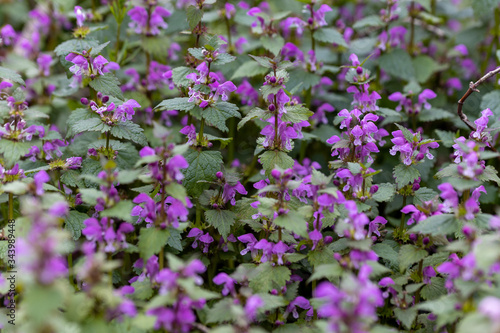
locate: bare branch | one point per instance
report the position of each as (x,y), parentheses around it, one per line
(473,88)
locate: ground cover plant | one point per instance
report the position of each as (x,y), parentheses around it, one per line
(249,166)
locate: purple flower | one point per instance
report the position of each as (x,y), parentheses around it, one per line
(40,178)
(428,273)
(44,61)
(302,303)
(253,303)
(73,163)
(480,133)
(190,132)
(126,110)
(250,240)
(490,307)
(80,16)
(7,34)
(227,281)
(248,95)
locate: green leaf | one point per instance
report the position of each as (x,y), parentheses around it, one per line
(157,46)
(197,53)
(151,241)
(248,69)
(448,171)
(16,187)
(437,225)
(296,114)
(142,290)
(409,136)
(179,77)
(408,255)
(327,271)
(12,151)
(263,61)
(74,223)
(223,58)
(489,174)
(267,277)
(384,193)
(397,63)
(222,220)
(224,310)
(9,74)
(305,79)
(107,84)
(121,211)
(368,21)
(253,114)
(97,49)
(405,174)
(385,251)
(424,67)
(434,114)
(273,44)
(130,131)
(203,165)
(94,124)
(483,8)
(434,290)
(323,256)
(271,158)
(90,195)
(217,114)
(330,35)
(406,316)
(293,222)
(424,194)
(178,103)
(194,15)
(72,178)
(447,138)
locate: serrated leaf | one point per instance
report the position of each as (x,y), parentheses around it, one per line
(178,103)
(384,193)
(223,58)
(129,130)
(397,63)
(97,49)
(179,77)
(405,174)
(263,61)
(142,290)
(224,310)
(489,174)
(447,138)
(424,67)
(327,271)
(72,178)
(271,158)
(368,21)
(424,194)
(222,220)
(437,225)
(217,114)
(267,277)
(107,84)
(406,316)
(74,223)
(330,35)
(203,165)
(12,151)
(9,74)
(197,53)
(408,255)
(296,114)
(93,124)
(386,251)
(121,211)
(90,195)
(491,100)
(273,44)
(253,114)
(292,222)
(194,15)
(151,241)
(249,69)
(323,256)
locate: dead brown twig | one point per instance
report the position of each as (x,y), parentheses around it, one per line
(473,88)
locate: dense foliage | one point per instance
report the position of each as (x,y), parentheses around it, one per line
(253,166)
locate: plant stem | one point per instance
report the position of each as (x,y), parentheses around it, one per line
(117,45)
(412,28)
(107,140)
(403,215)
(200,135)
(161,257)
(232,133)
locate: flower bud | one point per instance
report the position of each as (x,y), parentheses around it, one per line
(426,240)
(420,156)
(310,21)
(99,95)
(272,79)
(413,237)
(219,174)
(271,107)
(276,174)
(359,70)
(415,187)
(328,239)
(84,101)
(105,99)
(373,189)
